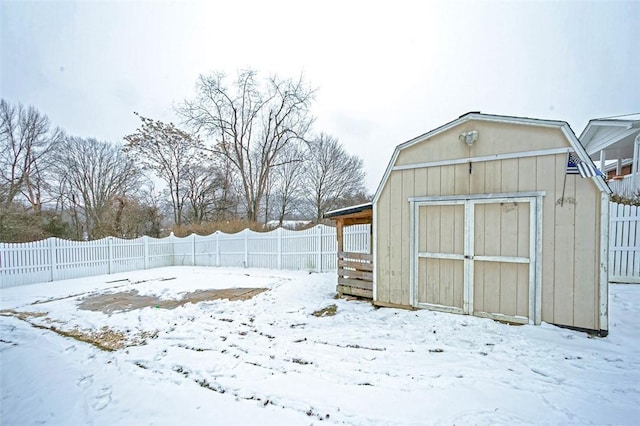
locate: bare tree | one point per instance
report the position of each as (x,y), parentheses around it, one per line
(133,216)
(92,176)
(26,139)
(289,181)
(207,193)
(252,124)
(331,175)
(166,151)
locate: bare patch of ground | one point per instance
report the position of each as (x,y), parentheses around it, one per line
(21,315)
(105,339)
(131,300)
(327,311)
(108,339)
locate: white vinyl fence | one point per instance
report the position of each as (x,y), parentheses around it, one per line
(314,249)
(624,244)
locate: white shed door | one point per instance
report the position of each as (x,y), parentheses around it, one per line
(476,257)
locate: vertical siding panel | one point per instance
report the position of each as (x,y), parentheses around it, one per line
(395,236)
(383,221)
(527,174)
(406,243)
(461,179)
(433,181)
(447,237)
(493,177)
(433,225)
(479,249)
(508,288)
(492,231)
(564,245)
(510,175)
(458,273)
(447,180)
(420,184)
(587,246)
(477,178)
(508,247)
(546,180)
(420,189)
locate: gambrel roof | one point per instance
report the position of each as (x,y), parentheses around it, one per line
(477,116)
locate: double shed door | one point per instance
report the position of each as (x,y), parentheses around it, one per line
(477,257)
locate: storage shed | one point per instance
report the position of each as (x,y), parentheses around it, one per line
(490,216)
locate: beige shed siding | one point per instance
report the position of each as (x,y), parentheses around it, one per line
(587,245)
(443,144)
(494,138)
(383,244)
(570,270)
(547,178)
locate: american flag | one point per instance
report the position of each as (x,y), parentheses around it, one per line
(575,166)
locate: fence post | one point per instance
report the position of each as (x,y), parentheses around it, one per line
(193,249)
(110,254)
(172,242)
(54,260)
(246,247)
(279,244)
(145,244)
(319,254)
(217,248)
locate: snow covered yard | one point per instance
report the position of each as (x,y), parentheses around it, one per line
(269,360)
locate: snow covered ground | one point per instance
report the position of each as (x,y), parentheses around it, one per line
(268,360)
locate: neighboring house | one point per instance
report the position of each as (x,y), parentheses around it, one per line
(483,216)
(615,145)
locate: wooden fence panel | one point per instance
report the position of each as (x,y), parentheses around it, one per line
(355,276)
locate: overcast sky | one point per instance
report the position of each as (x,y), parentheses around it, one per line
(385,71)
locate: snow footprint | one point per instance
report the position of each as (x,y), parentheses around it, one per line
(160,355)
(85,382)
(102,399)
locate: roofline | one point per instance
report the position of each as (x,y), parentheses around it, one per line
(613,122)
(601,122)
(563,125)
(348,210)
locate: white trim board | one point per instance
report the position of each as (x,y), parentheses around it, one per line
(488,198)
(604,263)
(495,157)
